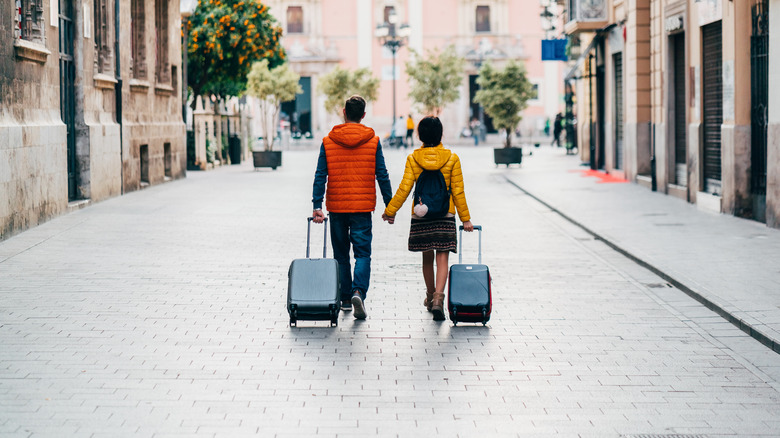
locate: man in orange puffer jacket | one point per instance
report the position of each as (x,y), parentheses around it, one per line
(350,160)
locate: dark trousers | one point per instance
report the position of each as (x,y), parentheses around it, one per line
(352,230)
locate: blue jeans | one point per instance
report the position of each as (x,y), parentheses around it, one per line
(354,229)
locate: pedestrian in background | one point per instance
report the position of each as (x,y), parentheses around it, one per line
(475,130)
(398,128)
(435,237)
(557,129)
(409,132)
(350,160)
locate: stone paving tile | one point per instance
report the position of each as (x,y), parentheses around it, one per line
(729,261)
(161,313)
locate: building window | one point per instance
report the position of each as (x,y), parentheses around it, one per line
(143,157)
(138,31)
(389,10)
(163,71)
(534,93)
(102,36)
(294,19)
(28,20)
(483,18)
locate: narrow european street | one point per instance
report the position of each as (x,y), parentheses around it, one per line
(162,313)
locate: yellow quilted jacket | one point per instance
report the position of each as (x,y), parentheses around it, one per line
(432,158)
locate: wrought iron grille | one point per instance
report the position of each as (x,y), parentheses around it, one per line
(138,26)
(759,95)
(103,41)
(162,71)
(29,18)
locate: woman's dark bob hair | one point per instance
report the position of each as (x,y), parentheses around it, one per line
(429,130)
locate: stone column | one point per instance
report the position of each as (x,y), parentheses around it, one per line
(735,131)
(637,64)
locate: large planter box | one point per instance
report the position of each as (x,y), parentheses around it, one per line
(272,159)
(508,156)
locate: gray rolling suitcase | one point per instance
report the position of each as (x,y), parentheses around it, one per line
(313,286)
(470,297)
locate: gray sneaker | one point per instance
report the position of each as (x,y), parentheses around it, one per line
(358,307)
(346,306)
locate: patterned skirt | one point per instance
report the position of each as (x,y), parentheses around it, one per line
(433,234)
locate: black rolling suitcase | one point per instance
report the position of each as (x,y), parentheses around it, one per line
(313,286)
(469,298)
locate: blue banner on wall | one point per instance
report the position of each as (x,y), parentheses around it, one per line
(554,50)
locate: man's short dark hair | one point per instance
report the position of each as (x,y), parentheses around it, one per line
(354,108)
(429,129)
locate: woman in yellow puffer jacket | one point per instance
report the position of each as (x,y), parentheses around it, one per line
(438,234)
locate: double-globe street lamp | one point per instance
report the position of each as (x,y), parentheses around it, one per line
(393,36)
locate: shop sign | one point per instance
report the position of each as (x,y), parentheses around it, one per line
(710,11)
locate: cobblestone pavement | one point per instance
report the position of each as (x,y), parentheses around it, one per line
(161,313)
(729,262)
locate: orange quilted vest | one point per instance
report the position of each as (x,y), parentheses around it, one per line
(350,151)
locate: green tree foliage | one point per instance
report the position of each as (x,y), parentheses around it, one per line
(272,86)
(504,95)
(435,78)
(339,84)
(224,38)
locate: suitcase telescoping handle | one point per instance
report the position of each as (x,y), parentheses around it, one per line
(324,241)
(460,244)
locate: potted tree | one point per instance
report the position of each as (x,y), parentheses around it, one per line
(223,40)
(435,79)
(271,86)
(339,84)
(504,95)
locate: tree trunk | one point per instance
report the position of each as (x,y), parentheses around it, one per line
(508,138)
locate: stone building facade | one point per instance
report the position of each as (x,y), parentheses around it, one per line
(674,95)
(79,124)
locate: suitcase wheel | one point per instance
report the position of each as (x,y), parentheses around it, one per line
(484,317)
(334,316)
(293,316)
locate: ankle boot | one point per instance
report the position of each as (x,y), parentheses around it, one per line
(437,306)
(428,300)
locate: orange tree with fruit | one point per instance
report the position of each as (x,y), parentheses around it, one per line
(224,38)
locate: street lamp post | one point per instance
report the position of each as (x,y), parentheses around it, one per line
(482,52)
(393,37)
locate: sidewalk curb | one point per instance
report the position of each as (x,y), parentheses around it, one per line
(773,344)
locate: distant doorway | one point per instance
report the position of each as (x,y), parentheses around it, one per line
(617,62)
(712,108)
(677,43)
(298,111)
(68,92)
(473,88)
(759,98)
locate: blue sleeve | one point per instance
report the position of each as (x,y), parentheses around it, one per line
(382,177)
(320,178)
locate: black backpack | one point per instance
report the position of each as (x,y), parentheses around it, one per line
(431,191)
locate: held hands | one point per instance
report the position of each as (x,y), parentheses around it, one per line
(388,219)
(318,216)
(468,226)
